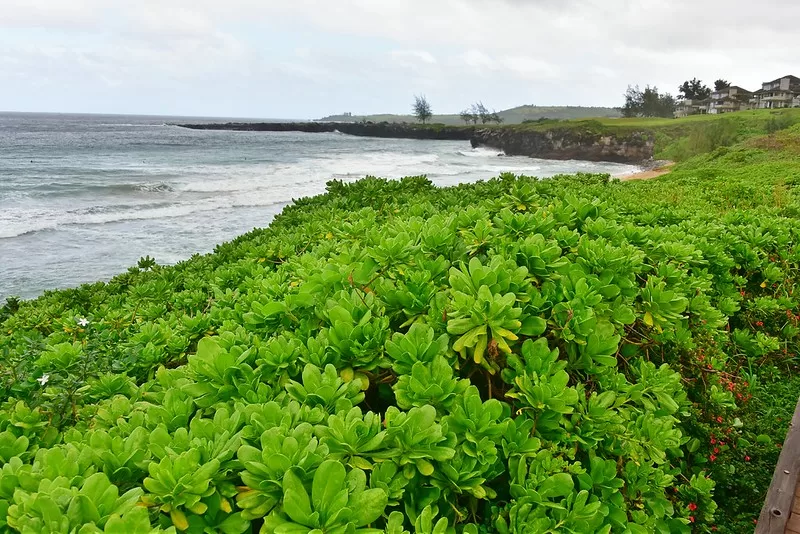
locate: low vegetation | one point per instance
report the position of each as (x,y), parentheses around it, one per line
(514,115)
(566,355)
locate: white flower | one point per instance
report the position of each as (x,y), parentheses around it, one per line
(43,380)
(83,321)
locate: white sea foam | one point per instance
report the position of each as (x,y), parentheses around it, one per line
(15,225)
(204,188)
(482,152)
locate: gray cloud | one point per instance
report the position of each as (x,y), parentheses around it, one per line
(310,57)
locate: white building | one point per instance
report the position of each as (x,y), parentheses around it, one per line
(781,93)
(732,98)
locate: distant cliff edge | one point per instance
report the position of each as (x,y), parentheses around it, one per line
(568,143)
(578,140)
(362,129)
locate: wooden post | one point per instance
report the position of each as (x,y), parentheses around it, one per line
(781,494)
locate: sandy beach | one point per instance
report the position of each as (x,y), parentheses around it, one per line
(662,168)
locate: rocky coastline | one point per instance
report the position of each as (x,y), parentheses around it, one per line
(568,143)
(588,144)
(362,129)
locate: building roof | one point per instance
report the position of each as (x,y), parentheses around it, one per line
(726,91)
(795,79)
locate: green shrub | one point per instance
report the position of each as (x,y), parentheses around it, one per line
(704,138)
(516,355)
(780,121)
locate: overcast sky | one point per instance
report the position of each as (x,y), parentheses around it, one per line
(309,58)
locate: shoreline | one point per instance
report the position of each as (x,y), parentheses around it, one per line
(649,171)
(515,140)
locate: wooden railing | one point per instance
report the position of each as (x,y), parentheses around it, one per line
(781,511)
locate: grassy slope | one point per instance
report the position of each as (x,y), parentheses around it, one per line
(680,139)
(762,172)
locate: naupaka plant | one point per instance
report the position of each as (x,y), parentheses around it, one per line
(516,355)
(488,321)
(338,503)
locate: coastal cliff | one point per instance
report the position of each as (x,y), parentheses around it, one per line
(581,141)
(362,129)
(568,143)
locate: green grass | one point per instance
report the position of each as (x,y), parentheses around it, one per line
(744,116)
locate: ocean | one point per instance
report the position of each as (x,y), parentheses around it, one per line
(83,197)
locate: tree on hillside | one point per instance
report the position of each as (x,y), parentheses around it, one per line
(480,111)
(647,103)
(469,117)
(721,84)
(422,109)
(694,90)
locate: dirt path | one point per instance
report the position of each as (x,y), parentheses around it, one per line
(648,174)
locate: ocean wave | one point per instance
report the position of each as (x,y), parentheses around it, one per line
(310,170)
(387,164)
(19,224)
(76,188)
(247,183)
(182,190)
(116,208)
(8,232)
(97,215)
(481,152)
(158,187)
(129,124)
